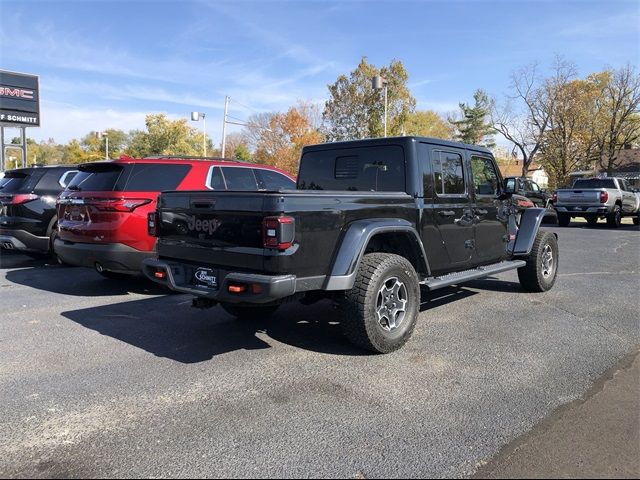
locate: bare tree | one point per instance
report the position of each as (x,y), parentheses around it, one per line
(525,117)
(619,115)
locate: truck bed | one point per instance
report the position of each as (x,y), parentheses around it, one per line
(224,228)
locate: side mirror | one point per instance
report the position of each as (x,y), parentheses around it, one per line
(509,186)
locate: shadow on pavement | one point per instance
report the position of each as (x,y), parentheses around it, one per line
(78,281)
(168,327)
(11,259)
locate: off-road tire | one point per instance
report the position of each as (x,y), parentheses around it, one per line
(592,221)
(249,312)
(358,305)
(533,276)
(614,219)
(564,220)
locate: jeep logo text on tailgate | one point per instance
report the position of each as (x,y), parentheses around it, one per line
(206,226)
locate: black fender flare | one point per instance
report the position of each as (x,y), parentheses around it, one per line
(529,225)
(354,243)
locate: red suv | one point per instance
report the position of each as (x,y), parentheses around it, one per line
(102,215)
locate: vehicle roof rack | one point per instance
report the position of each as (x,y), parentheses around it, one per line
(187,157)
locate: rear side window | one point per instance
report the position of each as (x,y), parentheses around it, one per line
(215,181)
(239,178)
(153,177)
(485,178)
(55,179)
(380,169)
(20,181)
(271,180)
(595,183)
(447,172)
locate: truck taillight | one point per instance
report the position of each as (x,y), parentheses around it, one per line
(604,196)
(152,224)
(278,232)
(118,204)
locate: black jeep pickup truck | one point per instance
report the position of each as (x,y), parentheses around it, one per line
(370,223)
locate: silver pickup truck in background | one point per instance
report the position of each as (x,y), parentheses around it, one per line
(595,198)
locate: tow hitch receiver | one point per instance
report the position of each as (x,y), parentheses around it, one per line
(202,303)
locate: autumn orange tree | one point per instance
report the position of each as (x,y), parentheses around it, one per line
(280,137)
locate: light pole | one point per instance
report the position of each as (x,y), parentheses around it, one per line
(195,116)
(378,83)
(99,136)
(224,124)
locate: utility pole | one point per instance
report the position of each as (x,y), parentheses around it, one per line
(224,125)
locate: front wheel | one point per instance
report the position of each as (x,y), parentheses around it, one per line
(249,312)
(541,270)
(381,310)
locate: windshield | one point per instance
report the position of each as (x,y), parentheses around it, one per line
(594,183)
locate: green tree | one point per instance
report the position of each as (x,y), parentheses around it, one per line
(475,127)
(166,137)
(355,110)
(427,123)
(242,153)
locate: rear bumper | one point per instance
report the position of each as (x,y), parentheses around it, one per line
(268,288)
(113,257)
(11,239)
(580,210)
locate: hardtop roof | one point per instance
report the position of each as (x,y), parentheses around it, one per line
(370,142)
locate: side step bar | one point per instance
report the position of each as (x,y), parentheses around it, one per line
(434,283)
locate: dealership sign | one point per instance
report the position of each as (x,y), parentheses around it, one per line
(19,100)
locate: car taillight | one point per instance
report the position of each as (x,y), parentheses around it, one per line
(525,203)
(17,199)
(118,204)
(554,197)
(278,232)
(604,196)
(152,224)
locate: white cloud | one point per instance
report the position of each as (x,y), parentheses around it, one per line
(63,122)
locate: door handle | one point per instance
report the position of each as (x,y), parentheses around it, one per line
(446,213)
(481,211)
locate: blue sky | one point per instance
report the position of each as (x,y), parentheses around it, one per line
(107,64)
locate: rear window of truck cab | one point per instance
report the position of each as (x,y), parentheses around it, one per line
(595,183)
(359,169)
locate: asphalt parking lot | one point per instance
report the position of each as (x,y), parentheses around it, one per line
(101,378)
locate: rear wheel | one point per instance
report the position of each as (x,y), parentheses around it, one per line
(381,310)
(614,219)
(564,220)
(249,312)
(541,270)
(52,253)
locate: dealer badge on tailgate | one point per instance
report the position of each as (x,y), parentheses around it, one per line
(206,277)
